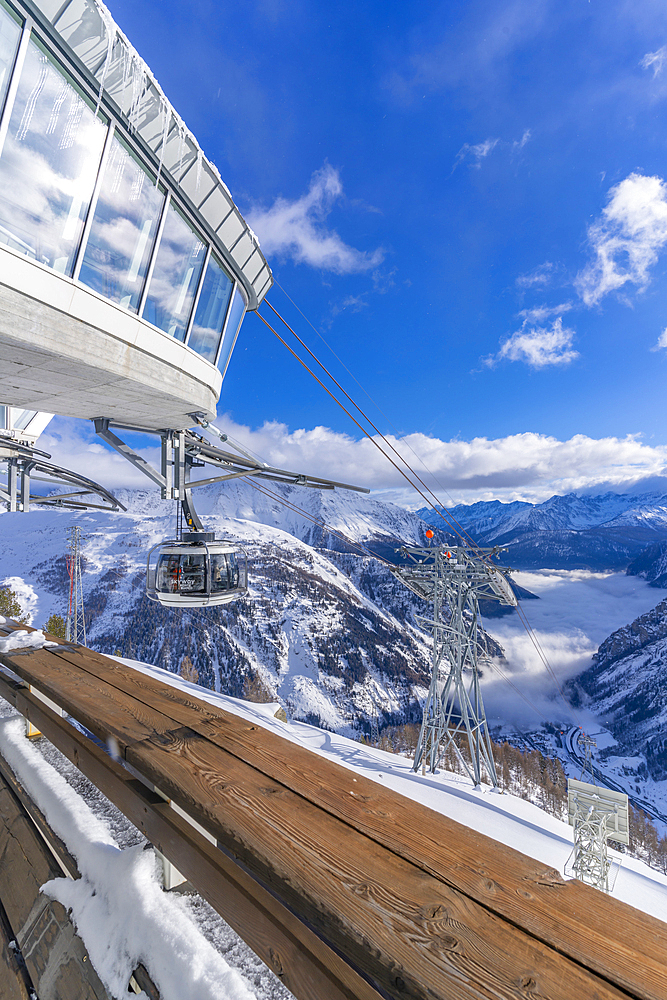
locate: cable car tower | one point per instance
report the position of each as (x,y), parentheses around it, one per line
(453,580)
(75,626)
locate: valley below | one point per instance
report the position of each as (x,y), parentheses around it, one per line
(329,633)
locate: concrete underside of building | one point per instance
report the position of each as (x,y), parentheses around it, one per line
(67,350)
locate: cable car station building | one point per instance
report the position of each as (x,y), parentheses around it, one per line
(125,267)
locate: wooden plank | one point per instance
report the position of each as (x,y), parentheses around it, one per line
(413,934)
(14,981)
(305,964)
(56,845)
(23,863)
(500,878)
(586,985)
(54,955)
(105,709)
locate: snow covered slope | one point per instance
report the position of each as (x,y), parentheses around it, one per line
(325,629)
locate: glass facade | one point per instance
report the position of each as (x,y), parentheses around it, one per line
(102,222)
(49,164)
(178,267)
(236,313)
(211,311)
(10,32)
(123,229)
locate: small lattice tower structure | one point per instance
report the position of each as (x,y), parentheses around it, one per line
(453,580)
(75,626)
(597,815)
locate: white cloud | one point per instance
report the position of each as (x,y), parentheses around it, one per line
(662,341)
(537,314)
(627,239)
(74,445)
(478,152)
(526,465)
(577,610)
(538,346)
(655,60)
(297,229)
(540,276)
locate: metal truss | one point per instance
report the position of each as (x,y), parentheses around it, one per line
(25,465)
(75,625)
(597,815)
(185,450)
(590,862)
(453,580)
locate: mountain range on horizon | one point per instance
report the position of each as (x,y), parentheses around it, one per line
(605,532)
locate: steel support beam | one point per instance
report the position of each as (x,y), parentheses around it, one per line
(454,579)
(102,428)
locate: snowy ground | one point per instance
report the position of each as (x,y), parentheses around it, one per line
(124,917)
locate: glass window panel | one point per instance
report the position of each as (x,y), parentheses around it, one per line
(192,575)
(211,310)
(236,312)
(123,229)
(220,573)
(10,33)
(49,164)
(167,574)
(180,258)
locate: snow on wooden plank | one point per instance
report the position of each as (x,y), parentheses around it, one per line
(54,955)
(457,916)
(503,880)
(303,962)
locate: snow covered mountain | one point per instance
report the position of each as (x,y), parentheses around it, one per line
(651,565)
(326,629)
(627,686)
(565,532)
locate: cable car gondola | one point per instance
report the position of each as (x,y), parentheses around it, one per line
(196,571)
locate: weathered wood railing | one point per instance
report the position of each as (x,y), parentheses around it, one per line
(344,888)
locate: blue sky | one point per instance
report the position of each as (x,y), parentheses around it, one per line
(468,200)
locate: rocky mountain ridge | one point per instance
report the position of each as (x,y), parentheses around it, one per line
(603,532)
(626,686)
(651,565)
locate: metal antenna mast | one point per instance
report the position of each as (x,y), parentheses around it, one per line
(454,579)
(75,627)
(587,743)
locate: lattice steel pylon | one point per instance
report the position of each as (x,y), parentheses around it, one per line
(591,863)
(586,743)
(454,579)
(597,814)
(75,626)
